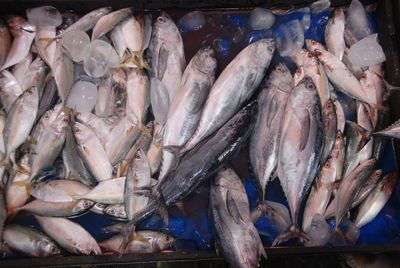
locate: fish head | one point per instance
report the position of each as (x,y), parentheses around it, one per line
(165,240)
(376,175)
(115,212)
(338,14)
(205,61)
(164,21)
(263,51)
(80,132)
(389,182)
(83,205)
(308,83)
(312,45)
(329,109)
(15,24)
(32,95)
(47,248)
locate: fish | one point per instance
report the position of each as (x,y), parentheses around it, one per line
(55,209)
(167,54)
(5,42)
(35,76)
(107,192)
(320,194)
(30,241)
(150,242)
(117,211)
(329,119)
(341,119)
(107,22)
(300,150)
(49,97)
(88,21)
(98,208)
(298,75)
(45,121)
(376,200)
(186,108)
(92,152)
(21,68)
(45,48)
(58,190)
(160,100)
(63,72)
(235,85)
(154,154)
(334,33)
(10,89)
(118,40)
(363,117)
(18,189)
(373,93)
(338,154)
(69,235)
(265,139)
(392,131)
(102,127)
(24,34)
(138,95)
(236,236)
(106,98)
(137,177)
(19,122)
(380,140)
(132,33)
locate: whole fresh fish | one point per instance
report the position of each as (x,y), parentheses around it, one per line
(265,139)
(5,42)
(88,21)
(137,177)
(185,110)
(55,209)
(44,44)
(349,187)
(117,211)
(107,192)
(92,152)
(106,98)
(300,149)
(18,188)
(154,154)
(117,37)
(329,119)
(30,241)
(233,88)
(59,190)
(236,236)
(160,100)
(334,33)
(150,242)
(69,235)
(107,22)
(10,89)
(19,70)
(376,200)
(167,54)
(20,120)
(320,195)
(63,72)
(138,95)
(24,33)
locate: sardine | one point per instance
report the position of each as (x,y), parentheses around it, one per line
(368,84)
(376,200)
(185,110)
(59,190)
(234,86)
(5,42)
(138,95)
(363,119)
(69,235)
(20,120)
(92,152)
(10,89)
(45,47)
(265,140)
(63,72)
(334,33)
(107,192)
(235,233)
(106,98)
(30,241)
(300,149)
(329,119)
(149,242)
(108,21)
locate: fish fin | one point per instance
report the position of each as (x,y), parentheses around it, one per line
(233,209)
(305,130)
(163,55)
(292,232)
(145,131)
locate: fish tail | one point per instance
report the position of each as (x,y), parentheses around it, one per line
(292,232)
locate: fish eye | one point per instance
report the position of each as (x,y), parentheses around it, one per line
(327,164)
(310,86)
(270,49)
(167,238)
(161,19)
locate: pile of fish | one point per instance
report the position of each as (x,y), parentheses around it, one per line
(120,124)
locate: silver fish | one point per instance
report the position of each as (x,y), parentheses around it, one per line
(235,233)
(117,37)
(19,186)
(63,72)
(44,44)
(5,42)
(338,155)
(300,149)
(373,93)
(30,241)
(107,192)
(92,152)
(363,117)
(138,95)
(69,235)
(392,131)
(265,139)
(59,190)
(102,127)
(330,126)
(298,75)
(20,120)
(35,76)
(185,110)
(132,32)
(10,89)
(88,21)
(106,98)
(146,241)
(45,121)
(167,54)
(49,97)
(234,86)
(108,21)
(376,200)
(341,120)
(154,154)
(334,33)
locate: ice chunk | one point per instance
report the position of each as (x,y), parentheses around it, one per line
(44,16)
(82,97)
(222,45)
(319,6)
(306,20)
(100,56)
(75,43)
(357,21)
(289,38)
(320,232)
(347,234)
(192,21)
(261,18)
(366,52)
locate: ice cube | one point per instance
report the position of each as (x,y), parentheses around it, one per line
(100,56)
(82,97)
(261,18)
(44,16)
(366,52)
(192,21)
(319,232)
(306,20)
(289,38)
(319,6)
(357,21)
(75,43)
